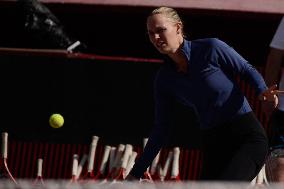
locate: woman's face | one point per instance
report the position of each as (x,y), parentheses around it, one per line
(164,34)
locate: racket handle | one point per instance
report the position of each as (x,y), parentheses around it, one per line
(126,155)
(81,165)
(175,167)
(130,163)
(92,153)
(145,140)
(154,164)
(118,155)
(75,166)
(112,158)
(260,176)
(4,145)
(105,159)
(163,171)
(39,167)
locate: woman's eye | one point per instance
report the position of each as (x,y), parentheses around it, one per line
(161,30)
(158,31)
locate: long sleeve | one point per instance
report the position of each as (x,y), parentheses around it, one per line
(232,62)
(160,133)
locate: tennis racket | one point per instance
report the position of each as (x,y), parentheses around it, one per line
(91,157)
(122,164)
(163,171)
(146,175)
(154,167)
(175,166)
(130,163)
(74,168)
(81,165)
(111,165)
(115,165)
(101,172)
(39,180)
(4,170)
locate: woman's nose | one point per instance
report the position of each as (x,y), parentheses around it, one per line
(156,36)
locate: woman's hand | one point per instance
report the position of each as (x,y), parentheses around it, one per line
(270,95)
(270,99)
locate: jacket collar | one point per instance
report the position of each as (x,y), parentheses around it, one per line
(185,48)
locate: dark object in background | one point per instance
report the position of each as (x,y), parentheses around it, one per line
(42,24)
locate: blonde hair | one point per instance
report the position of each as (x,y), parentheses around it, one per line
(170,13)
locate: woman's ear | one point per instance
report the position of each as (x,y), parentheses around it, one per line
(179,27)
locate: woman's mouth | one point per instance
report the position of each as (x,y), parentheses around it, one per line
(160,44)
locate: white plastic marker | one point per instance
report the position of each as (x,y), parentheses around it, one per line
(145,140)
(39,180)
(252,183)
(261,177)
(122,164)
(130,163)
(175,166)
(91,157)
(104,161)
(111,165)
(81,165)
(5,172)
(147,174)
(154,165)
(117,160)
(264,175)
(75,168)
(164,171)
(124,161)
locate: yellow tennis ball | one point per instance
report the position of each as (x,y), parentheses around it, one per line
(56,120)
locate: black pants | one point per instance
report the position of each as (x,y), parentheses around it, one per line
(277,125)
(234,151)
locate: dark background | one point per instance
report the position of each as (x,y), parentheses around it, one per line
(108,98)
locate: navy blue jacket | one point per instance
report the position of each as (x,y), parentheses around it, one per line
(209,86)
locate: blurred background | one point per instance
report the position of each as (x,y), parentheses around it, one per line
(110,97)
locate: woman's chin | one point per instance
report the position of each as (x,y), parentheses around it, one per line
(163,50)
